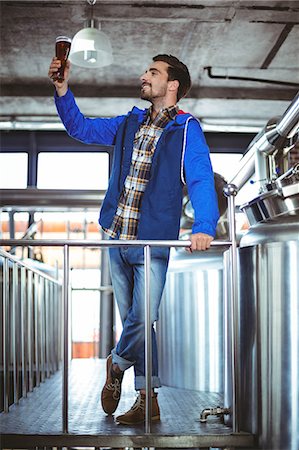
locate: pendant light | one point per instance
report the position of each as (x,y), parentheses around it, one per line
(91,47)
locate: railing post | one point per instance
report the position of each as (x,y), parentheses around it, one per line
(14,333)
(30,327)
(42,325)
(47,319)
(6,344)
(23,331)
(36,330)
(65,338)
(231,191)
(148,339)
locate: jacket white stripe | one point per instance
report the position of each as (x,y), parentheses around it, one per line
(184,149)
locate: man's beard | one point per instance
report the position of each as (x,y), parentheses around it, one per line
(146,95)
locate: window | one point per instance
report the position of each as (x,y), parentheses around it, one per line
(73,170)
(226,164)
(14,168)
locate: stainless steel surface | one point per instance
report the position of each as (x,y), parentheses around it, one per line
(24,362)
(38,347)
(26,264)
(273,138)
(148,338)
(245,168)
(37,328)
(218,412)
(104,243)
(283,229)
(44,338)
(231,191)
(271,205)
(289,123)
(30,328)
(26,346)
(191,316)
(47,328)
(36,421)
(269,334)
(190,325)
(65,385)
(106,338)
(101,243)
(6,343)
(14,333)
(229,379)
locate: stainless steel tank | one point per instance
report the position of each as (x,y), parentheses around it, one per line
(190,328)
(268,376)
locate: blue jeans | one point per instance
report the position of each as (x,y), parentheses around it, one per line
(127,274)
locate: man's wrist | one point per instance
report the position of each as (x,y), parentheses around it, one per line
(61,91)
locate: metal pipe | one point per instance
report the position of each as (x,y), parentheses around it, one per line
(8,242)
(288,124)
(29,328)
(106,309)
(231,191)
(36,330)
(266,142)
(47,320)
(148,339)
(65,338)
(43,324)
(57,326)
(23,332)
(51,327)
(65,304)
(14,333)
(100,243)
(6,345)
(218,411)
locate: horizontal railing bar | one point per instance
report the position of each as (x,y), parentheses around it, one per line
(102,243)
(100,289)
(27,266)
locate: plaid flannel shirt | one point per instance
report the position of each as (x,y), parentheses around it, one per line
(125,222)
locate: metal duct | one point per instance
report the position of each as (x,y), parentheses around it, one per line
(272,139)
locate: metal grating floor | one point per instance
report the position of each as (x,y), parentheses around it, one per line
(37,420)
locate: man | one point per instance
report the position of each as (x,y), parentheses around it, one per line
(157,150)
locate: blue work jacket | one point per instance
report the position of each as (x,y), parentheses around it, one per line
(181,156)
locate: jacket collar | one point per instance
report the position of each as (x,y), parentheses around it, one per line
(180,119)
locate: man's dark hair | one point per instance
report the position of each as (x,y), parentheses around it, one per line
(177,71)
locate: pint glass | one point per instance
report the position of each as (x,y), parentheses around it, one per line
(63,45)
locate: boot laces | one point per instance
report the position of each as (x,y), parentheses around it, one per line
(115,387)
(139,404)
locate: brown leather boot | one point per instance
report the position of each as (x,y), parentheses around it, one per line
(137,413)
(112,389)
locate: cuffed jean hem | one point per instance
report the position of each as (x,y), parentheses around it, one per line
(140,382)
(122,363)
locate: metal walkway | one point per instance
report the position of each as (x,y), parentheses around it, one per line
(37,420)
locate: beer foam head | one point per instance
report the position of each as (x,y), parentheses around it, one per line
(63,38)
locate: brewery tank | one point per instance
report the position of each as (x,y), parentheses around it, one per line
(190,325)
(268,307)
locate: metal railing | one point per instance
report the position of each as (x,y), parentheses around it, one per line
(230,192)
(31,327)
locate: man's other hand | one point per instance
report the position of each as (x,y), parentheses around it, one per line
(200,241)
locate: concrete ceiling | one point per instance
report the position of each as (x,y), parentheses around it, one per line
(235,39)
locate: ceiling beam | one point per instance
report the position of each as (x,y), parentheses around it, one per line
(43,90)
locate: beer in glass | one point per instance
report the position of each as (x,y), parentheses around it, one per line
(63,45)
